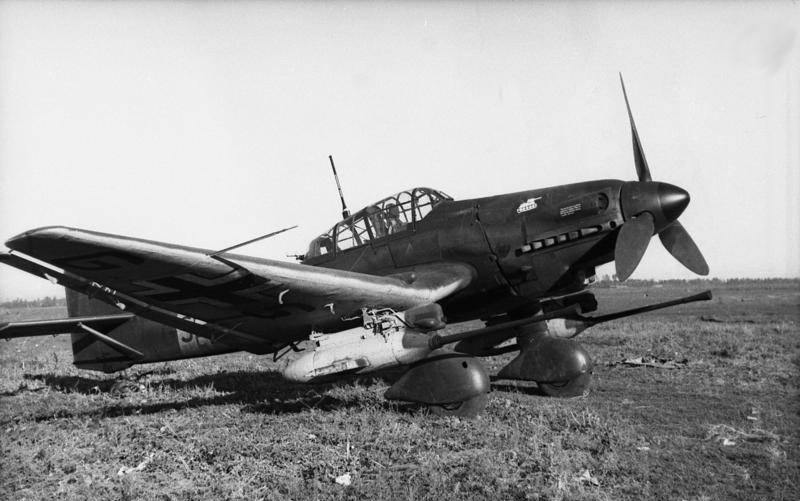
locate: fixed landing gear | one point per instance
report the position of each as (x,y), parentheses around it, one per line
(450,384)
(560,367)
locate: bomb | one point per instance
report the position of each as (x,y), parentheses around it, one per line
(385,340)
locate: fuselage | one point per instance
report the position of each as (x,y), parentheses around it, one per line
(524,246)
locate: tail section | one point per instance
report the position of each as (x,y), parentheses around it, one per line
(105,338)
(135,341)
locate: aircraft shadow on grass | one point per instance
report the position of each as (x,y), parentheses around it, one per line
(256,392)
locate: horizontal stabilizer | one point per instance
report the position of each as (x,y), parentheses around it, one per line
(62,326)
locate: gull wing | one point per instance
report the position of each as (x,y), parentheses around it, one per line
(252,299)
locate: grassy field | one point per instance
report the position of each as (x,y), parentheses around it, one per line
(725,426)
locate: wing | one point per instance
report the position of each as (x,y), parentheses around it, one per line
(254,300)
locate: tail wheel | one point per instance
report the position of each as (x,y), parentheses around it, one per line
(467,408)
(576,387)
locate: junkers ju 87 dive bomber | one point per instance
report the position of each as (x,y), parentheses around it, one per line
(376,290)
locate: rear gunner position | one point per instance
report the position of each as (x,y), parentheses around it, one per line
(375,290)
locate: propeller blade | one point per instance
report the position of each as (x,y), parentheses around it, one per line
(642,169)
(678,243)
(632,241)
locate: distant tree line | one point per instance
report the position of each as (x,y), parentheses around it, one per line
(35,303)
(612,281)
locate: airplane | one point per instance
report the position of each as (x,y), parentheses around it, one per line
(376,291)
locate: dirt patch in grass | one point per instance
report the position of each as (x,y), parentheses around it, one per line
(723,427)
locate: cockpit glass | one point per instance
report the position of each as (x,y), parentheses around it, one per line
(425,200)
(344,237)
(391,215)
(321,245)
(394,214)
(360,231)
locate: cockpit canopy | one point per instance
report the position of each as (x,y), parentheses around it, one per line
(391,215)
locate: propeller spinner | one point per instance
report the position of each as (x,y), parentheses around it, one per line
(651,207)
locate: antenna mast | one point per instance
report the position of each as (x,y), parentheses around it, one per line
(345,211)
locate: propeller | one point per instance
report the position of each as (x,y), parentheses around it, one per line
(642,169)
(651,207)
(632,242)
(677,241)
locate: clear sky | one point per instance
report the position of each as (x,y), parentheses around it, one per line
(207,124)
